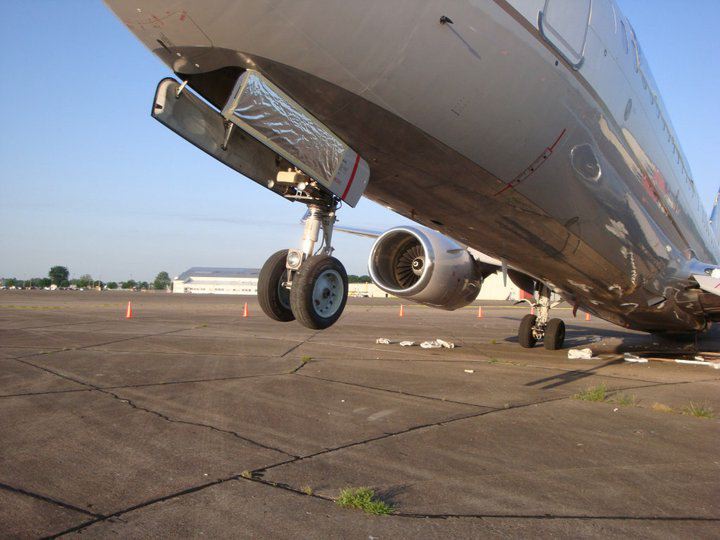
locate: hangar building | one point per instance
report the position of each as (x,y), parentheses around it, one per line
(208,280)
(243,281)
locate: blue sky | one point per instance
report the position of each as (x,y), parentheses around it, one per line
(90,181)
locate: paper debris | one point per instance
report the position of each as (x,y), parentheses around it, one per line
(580,354)
(407,343)
(382,341)
(469,371)
(437,344)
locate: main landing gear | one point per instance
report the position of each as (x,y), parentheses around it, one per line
(534,328)
(307,285)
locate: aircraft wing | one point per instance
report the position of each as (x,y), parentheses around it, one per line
(710,284)
(366,233)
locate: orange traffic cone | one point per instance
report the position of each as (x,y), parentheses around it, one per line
(587,316)
(128,313)
(402,311)
(246,313)
(480,314)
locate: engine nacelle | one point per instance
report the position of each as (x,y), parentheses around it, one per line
(426,267)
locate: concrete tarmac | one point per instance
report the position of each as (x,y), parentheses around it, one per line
(190,420)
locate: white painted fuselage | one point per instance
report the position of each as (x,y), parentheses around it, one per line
(533,132)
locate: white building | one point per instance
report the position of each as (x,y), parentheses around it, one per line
(203,280)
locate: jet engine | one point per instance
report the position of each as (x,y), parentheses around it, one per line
(426,267)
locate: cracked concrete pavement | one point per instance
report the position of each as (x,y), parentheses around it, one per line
(189,420)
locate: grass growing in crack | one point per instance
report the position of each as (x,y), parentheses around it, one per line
(627,400)
(493,361)
(594,393)
(363,499)
(699,410)
(307,490)
(246,474)
(305,359)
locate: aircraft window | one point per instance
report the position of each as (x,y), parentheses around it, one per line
(623,33)
(636,55)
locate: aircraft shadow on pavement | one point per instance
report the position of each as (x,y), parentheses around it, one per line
(560,379)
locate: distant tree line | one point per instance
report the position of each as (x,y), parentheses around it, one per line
(60,277)
(359,279)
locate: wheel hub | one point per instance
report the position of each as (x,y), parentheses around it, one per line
(283,293)
(327,293)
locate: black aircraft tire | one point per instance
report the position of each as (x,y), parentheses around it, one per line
(554,335)
(525,333)
(272,297)
(319,292)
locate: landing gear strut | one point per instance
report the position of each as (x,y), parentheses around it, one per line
(307,285)
(534,328)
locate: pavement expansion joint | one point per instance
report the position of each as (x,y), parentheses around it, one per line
(159,414)
(47,499)
(197,424)
(297,345)
(193,381)
(150,502)
(49,392)
(397,392)
(557,516)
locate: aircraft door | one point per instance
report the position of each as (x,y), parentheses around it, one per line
(564,24)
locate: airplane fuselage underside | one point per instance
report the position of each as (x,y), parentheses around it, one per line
(477,129)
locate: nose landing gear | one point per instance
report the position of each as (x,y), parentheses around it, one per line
(307,285)
(534,328)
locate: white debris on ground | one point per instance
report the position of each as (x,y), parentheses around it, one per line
(437,344)
(434,344)
(580,354)
(469,371)
(699,360)
(630,357)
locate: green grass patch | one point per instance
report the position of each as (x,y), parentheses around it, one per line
(594,393)
(363,499)
(305,359)
(307,490)
(699,410)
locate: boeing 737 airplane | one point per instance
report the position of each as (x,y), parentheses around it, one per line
(522,135)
